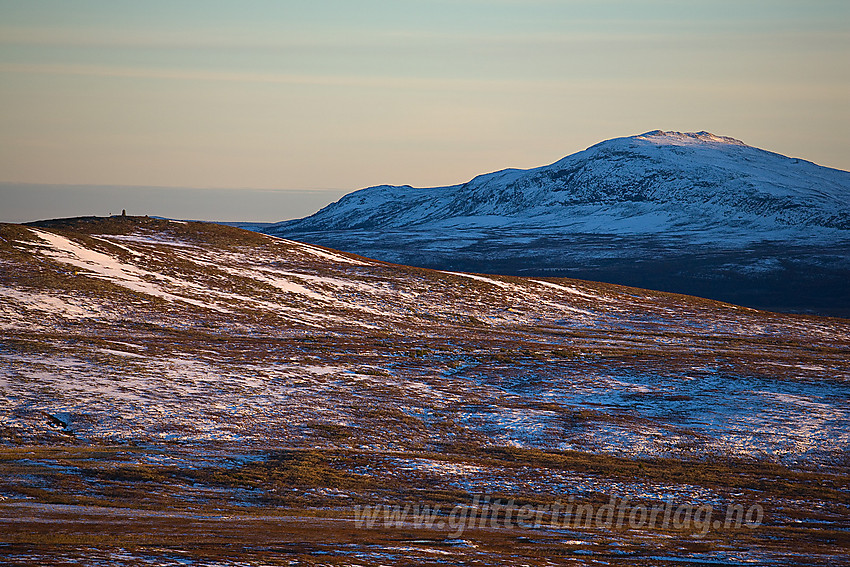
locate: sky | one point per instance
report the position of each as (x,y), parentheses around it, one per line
(263,110)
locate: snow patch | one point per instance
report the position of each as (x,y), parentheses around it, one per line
(111,269)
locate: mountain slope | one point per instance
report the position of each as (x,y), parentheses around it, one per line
(169,388)
(691,213)
(685,182)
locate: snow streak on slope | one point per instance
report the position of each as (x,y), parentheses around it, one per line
(106,267)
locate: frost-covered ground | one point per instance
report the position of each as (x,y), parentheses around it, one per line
(152,364)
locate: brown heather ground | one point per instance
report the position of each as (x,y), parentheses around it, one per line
(244,417)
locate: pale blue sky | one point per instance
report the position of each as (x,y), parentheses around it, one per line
(337,95)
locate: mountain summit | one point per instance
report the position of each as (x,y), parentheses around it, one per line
(724,219)
(651,183)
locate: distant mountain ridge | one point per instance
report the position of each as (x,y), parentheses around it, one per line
(685,181)
(727,221)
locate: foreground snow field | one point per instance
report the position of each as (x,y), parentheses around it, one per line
(189,368)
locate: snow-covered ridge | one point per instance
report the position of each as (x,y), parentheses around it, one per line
(687,138)
(653,183)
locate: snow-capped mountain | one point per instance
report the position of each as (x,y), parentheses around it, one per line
(658,181)
(710,208)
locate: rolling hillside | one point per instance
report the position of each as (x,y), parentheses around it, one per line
(190,391)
